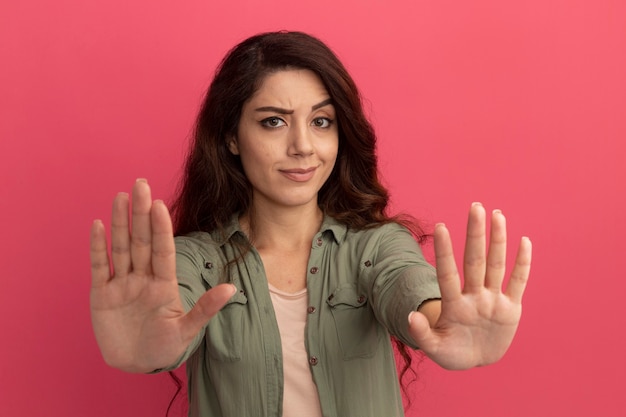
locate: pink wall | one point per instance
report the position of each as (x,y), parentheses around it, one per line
(521,105)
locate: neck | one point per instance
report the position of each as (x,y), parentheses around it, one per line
(287,228)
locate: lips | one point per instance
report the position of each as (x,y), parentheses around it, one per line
(299,174)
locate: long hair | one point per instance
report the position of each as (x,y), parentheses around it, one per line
(214,186)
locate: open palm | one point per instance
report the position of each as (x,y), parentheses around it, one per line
(478,320)
(138,318)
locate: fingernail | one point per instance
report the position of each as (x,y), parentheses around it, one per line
(410,317)
(142,180)
(497,211)
(234,289)
(440,225)
(477,203)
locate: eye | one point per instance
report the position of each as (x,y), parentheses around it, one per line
(322,122)
(273,122)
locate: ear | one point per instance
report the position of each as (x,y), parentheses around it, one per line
(232,146)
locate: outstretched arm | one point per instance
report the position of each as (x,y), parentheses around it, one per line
(473,324)
(137,316)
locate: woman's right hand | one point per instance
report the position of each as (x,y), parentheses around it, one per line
(137,315)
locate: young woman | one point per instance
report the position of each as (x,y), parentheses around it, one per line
(287,277)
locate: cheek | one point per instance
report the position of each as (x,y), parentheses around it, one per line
(256,159)
(331,150)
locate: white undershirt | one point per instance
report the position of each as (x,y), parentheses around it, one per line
(300,397)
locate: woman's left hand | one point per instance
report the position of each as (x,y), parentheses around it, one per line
(478,320)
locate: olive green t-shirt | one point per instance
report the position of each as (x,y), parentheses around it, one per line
(361,287)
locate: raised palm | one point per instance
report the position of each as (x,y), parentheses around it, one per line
(478,320)
(138,318)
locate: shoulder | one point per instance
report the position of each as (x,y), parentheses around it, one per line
(388,233)
(389,242)
(195,239)
(195,242)
(390,245)
(197,248)
(212,240)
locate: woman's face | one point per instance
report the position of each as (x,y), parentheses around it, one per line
(287,139)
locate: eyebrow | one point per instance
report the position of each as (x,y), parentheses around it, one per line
(280,110)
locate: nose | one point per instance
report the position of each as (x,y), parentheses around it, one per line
(300,141)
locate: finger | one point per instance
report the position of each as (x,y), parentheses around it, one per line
(163,249)
(141,231)
(474,260)
(100,269)
(120,239)
(206,307)
(496,258)
(447,272)
(521,271)
(422,334)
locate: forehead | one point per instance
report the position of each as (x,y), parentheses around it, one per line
(290,85)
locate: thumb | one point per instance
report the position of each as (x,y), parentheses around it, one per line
(206,307)
(420,331)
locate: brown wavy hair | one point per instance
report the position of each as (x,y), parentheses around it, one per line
(214,186)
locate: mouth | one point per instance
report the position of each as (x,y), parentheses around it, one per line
(299,174)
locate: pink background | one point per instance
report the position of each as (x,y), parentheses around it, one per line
(520,105)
